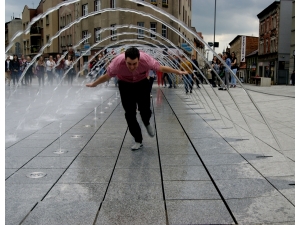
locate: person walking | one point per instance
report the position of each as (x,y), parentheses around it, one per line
(152,76)
(226,58)
(29,72)
(15,69)
(293,78)
(68,64)
(187,79)
(22,62)
(195,70)
(40,69)
(8,69)
(132,69)
(234,69)
(50,65)
(59,69)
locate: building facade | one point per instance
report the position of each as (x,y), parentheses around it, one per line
(242,46)
(275,40)
(11,28)
(292,51)
(43,29)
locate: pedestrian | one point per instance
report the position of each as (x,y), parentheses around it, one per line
(152,76)
(15,69)
(59,69)
(215,66)
(131,69)
(293,78)
(40,69)
(226,58)
(187,78)
(68,65)
(195,70)
(234,69)
(22,62)
(50,65)
(29,72)
(8,69)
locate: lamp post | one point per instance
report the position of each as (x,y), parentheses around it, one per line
(215,23)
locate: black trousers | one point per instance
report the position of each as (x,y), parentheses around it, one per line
(135,95)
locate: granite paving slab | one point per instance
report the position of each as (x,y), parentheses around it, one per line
(63,212)
(181,173)
(146,175)
(86,175)
(189,190)
(198,212)
(15,212)
(134,212)
(49,163)
(64,192)
(254,210)
(93,162)
(123,191)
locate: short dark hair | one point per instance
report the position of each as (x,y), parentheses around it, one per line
(132,53)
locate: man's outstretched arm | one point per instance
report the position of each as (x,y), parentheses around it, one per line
(167,69)
(100,80)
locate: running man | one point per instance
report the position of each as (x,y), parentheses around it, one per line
(132,69)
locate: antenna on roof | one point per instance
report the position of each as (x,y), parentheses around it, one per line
(33,5)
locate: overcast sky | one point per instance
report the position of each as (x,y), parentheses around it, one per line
(234,17)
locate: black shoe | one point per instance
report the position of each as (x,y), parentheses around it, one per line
(191,91)
(170,86)
(198,86)
(220,88)
(186,92)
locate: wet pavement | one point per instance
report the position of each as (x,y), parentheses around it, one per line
(200,168)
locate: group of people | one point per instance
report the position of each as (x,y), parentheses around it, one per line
(219,68)
(184,65)
(52,67)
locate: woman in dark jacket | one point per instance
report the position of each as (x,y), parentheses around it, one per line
(15,64)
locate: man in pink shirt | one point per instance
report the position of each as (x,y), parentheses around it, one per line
(131,70)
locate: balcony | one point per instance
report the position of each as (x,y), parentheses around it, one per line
(35,48)
(36,31)
(154,3)
(165,5)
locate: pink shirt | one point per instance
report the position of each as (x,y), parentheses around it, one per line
(118,68)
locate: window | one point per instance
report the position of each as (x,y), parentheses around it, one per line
(47,20)
(153,28)
(112,32)
(140,31)
(164,31)
(97,5)
(165,2)
(70,18)
(67,40)
(64,41)
(70,39)
(179,6)
(267,46)
(61,41)
(97,34)
(179,35)
(274,21)
(85,10)
(183,13)
(84,35)
(112,3)
(47,38)
(154,2)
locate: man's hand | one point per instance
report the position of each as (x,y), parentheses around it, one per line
(91,85)
(182,72)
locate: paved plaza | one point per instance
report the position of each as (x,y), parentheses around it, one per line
(207,164)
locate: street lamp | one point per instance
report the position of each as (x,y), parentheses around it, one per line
(215,23)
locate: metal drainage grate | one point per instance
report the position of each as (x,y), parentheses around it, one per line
(76,136)
(60,151)
(241,139)
(292,184)
(36,175)
(227,127)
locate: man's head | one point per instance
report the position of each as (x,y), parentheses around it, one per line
(193,57)
(132,57)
